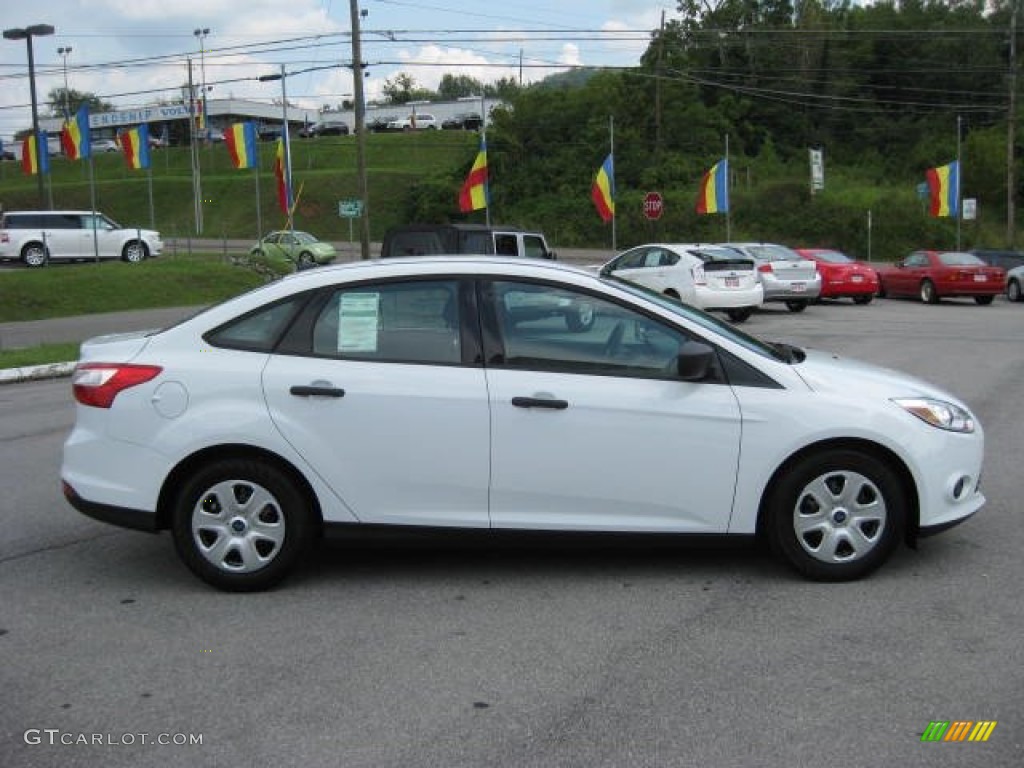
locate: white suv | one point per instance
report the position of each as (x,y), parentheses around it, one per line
(36,237)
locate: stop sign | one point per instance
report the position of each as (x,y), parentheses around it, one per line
(653,206)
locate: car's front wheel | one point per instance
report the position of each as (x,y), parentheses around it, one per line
(241,525)
(837,515)
(134,251)
(306,260)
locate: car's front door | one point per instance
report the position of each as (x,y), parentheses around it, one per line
(379,387)
(596,431)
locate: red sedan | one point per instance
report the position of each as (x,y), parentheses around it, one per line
(841,276)
(934,275)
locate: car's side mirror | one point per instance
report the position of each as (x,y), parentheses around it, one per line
(694,361)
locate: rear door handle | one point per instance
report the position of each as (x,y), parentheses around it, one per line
(301,390)
(540,402)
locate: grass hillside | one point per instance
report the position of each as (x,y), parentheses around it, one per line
(324,169)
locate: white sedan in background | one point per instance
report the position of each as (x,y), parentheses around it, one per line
(1014,284)
(703,276)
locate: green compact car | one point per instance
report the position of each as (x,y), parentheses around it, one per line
(301,249)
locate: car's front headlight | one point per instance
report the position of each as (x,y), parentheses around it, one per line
(938,413)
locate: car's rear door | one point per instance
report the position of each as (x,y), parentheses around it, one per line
(380,388)
(594,431)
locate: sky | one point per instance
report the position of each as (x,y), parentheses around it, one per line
(135,52)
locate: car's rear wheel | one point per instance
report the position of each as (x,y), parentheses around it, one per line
(837,515)
(928,292)
(984,300)
(241,525)
(1013,291)
(862,299)
(134,251)
(739,315)
(34,255)
(796,305)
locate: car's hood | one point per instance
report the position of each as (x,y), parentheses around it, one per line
(828,372)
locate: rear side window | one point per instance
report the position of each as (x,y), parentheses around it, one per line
(23,221)
(257,331)
(506,245)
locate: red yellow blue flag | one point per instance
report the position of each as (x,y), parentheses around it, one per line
(602,191)
(944,189)
(713,195)
(240,139)
(474,193)
(75,137)
(135,145)
(35,155)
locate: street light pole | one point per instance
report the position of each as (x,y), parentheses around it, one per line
(284,138)
(64,50)
(26,34)
(201,33)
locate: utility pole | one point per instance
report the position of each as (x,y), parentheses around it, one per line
(1011,135)
(360,128)
(657,88)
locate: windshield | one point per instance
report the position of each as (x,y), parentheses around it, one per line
(714,253)
(706,321)
(304,238)
(771,252)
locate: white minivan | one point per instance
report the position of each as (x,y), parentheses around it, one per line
(36,237)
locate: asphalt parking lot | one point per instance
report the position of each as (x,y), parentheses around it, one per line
(406,652)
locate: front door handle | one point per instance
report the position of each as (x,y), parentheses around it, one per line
(301,390)
(540,402)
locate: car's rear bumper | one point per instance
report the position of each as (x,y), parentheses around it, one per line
(136,519)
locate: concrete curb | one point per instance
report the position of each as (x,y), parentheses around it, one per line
(36,372)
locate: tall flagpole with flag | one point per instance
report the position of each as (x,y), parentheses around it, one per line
(602,189)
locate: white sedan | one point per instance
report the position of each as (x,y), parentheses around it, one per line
(405,393)
(1014,284)
(704,276)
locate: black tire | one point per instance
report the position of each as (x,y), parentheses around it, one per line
(306,260)
(796,305)
(836,515)
(984,301)
(862,299)
(241,525)
(134,251)
(739,315)
(34,255)
(673,294)
(580,317)
(928,292)
(1013,292)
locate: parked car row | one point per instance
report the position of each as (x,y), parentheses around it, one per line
(711,277)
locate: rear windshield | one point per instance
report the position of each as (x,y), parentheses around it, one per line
(960,260)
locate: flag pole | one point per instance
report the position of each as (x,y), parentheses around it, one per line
(728,206)
(611,141)
(483,142)
(92,204)
(959,177)
(259,205)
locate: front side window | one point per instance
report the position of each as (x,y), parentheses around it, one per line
(533,247)
(506,245)
(552,328)
(410,322)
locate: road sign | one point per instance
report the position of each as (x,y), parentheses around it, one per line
(654,206)
(350,209)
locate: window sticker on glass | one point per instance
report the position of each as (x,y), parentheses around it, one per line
(358,320)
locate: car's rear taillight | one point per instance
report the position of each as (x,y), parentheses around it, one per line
(97,384)
(765,268)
